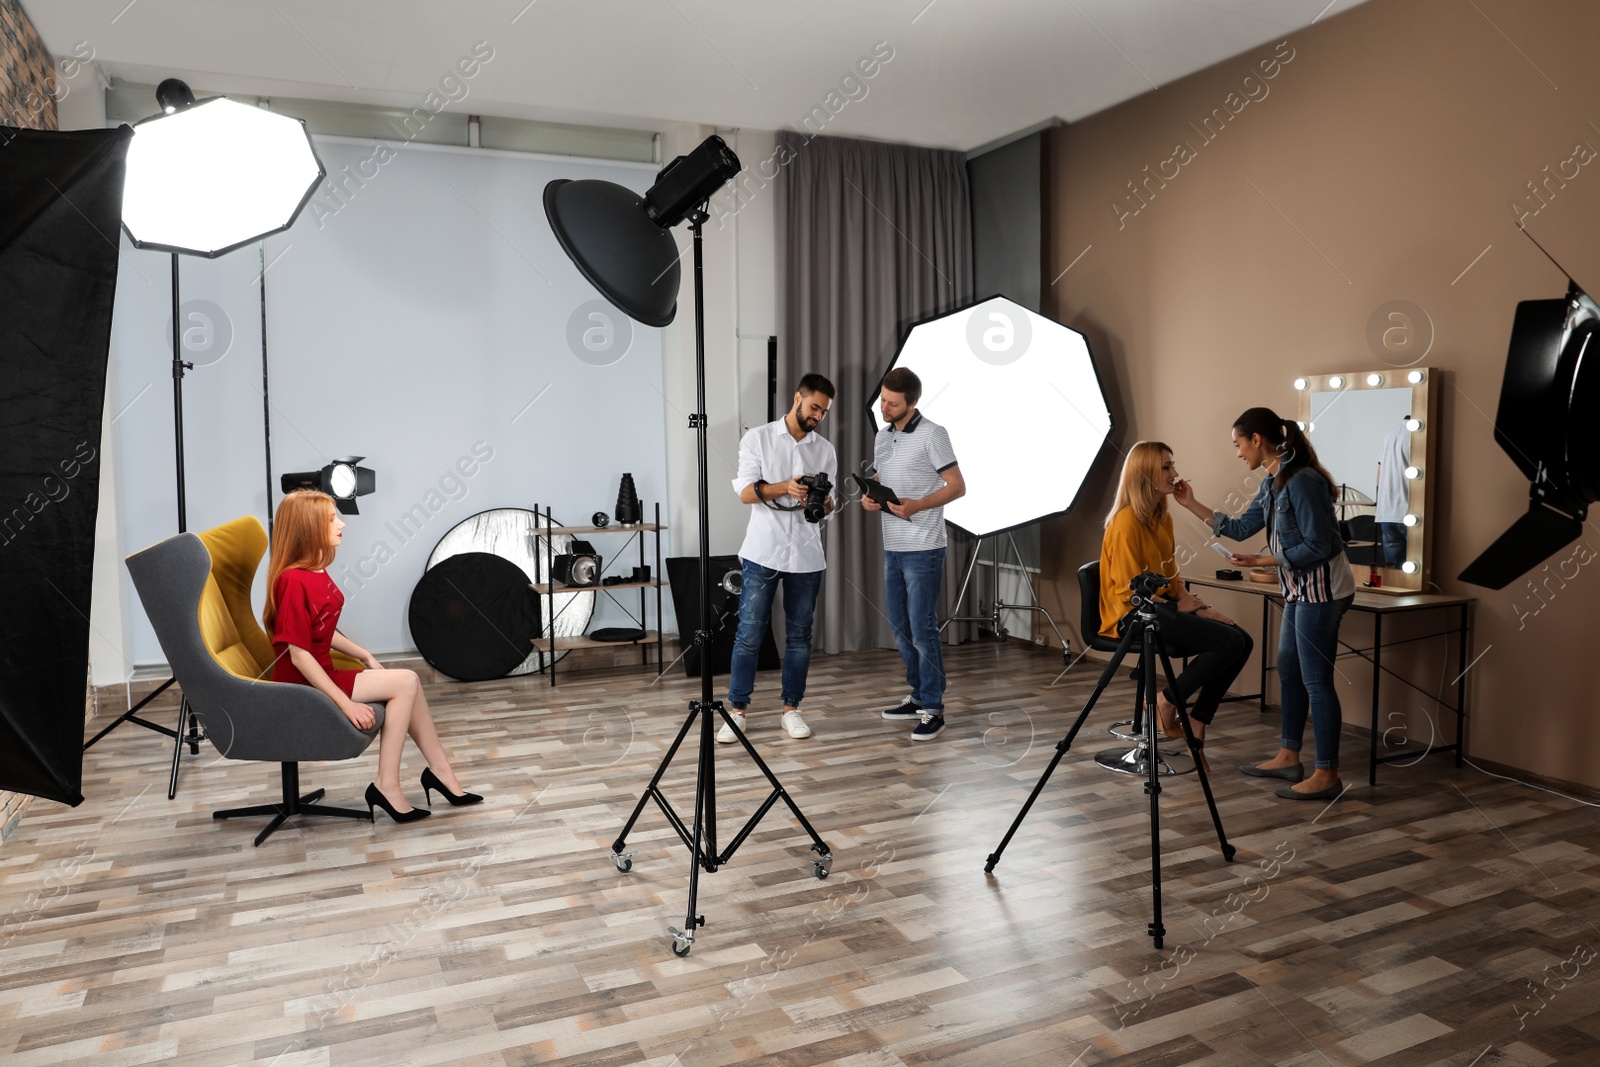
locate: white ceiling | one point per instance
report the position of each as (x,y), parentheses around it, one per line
(964,73)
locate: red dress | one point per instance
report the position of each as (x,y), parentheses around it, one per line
(308,613)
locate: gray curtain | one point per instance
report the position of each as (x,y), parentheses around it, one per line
(872,238)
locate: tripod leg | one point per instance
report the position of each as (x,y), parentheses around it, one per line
(1147,665)
(1065,743)
(1199,766)
(184,715)
(683,940)
(651,790)
(823,864)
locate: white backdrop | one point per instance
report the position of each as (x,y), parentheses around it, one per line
(423,317)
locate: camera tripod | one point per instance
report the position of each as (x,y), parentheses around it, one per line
(1145,630)
(702,840)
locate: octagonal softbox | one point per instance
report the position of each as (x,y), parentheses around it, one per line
(1022,402)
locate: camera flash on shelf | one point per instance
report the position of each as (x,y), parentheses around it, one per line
(1374,379)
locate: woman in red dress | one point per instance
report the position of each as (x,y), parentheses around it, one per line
(302,615)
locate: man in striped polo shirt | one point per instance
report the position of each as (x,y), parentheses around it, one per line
(913,457)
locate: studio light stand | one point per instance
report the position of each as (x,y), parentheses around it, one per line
(617,242)
(997,626)
(1144,630)
(205,177)
(195,736)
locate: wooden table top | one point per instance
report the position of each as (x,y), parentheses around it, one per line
(1366,599)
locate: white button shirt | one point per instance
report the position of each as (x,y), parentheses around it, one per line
(783,540)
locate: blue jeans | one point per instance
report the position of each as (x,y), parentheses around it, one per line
(1392,536)
(911,583)
(1307,645)
(755,621)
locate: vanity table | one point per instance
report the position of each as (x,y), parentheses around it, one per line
(1457,623)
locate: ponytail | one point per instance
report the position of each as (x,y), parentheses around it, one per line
(1284,437)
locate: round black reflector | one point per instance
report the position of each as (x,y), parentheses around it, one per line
(474,616)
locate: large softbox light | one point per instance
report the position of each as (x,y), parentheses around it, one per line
(1020,398)
(60,206)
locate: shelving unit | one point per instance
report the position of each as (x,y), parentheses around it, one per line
(548,646)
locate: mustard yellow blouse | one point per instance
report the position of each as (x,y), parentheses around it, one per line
(1130,548)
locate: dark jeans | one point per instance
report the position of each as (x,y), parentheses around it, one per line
(755,618)
(1217,654)
(1307,645)
(911,583)
(1392,543)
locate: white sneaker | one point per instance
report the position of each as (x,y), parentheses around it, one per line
(795,725)
(725,735)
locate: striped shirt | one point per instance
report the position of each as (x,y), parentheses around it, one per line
(912,462)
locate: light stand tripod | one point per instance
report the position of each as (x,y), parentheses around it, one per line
(184,716)
(702,841)
(996,626)
(1145,629)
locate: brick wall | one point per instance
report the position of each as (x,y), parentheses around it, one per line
(27,88)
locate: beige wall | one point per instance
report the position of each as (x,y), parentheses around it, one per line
(1390,147)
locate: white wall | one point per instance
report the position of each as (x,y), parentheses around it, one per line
(423,322)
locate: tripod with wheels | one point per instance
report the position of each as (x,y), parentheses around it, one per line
(1145,628)
(702,839)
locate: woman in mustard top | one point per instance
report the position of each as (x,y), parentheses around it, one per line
(1138,539)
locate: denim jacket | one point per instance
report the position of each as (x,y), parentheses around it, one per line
(1302,515)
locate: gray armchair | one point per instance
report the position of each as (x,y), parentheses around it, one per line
(196,592)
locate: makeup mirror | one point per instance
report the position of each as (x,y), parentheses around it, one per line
(1372,431)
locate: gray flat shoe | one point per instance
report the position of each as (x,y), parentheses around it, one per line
(1330,793)
(1296,773)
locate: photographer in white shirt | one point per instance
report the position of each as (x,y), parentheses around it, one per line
(786,475)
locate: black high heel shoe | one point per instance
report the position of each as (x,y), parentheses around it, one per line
(430,781)
(376,799)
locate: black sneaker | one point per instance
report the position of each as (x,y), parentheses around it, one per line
(931,726)
(906,709)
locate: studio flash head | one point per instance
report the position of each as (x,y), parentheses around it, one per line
(579,566)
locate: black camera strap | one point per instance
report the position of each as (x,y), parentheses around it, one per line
(772,504)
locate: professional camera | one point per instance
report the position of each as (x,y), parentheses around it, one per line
(818,489)
(1147,586)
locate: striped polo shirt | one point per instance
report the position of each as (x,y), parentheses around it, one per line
(912,462)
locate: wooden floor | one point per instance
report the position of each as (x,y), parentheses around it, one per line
(1443,918)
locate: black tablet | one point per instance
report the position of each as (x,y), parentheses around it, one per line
(876,490)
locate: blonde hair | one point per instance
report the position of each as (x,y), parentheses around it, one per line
(300,538)
(1139,488)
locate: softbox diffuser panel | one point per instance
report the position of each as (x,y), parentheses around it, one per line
(60,212)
